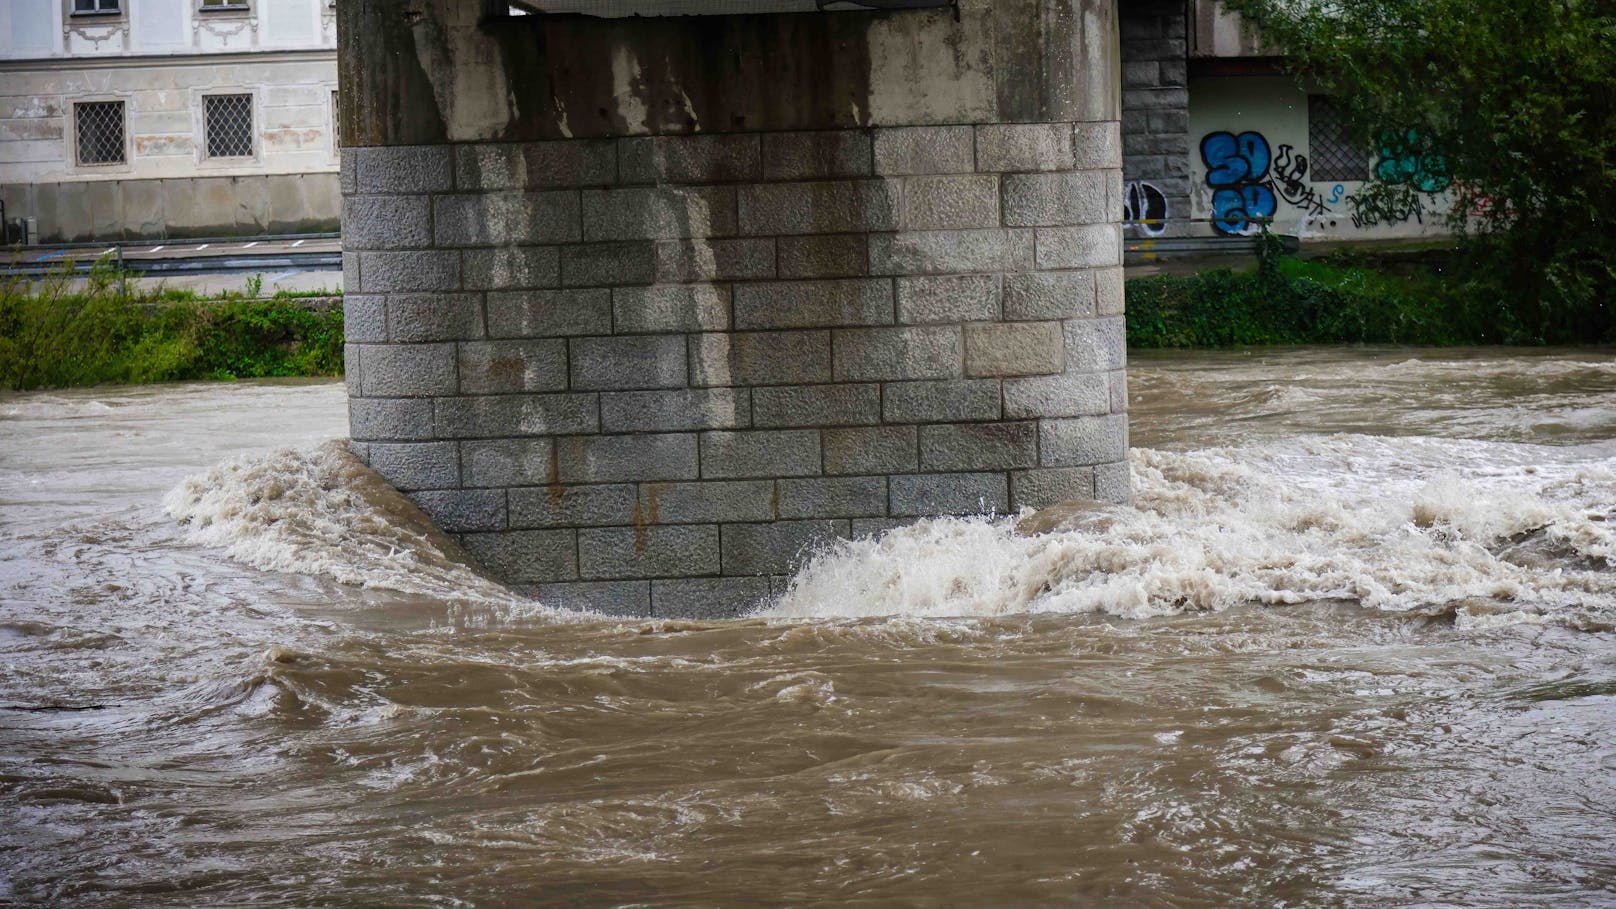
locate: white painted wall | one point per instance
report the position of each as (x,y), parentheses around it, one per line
(1274,108)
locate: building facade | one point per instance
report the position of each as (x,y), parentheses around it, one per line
(168,119)
(1219,139)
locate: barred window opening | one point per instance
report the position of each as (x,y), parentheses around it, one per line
(1333,157)
(99,127)
(96,6)
(229,126)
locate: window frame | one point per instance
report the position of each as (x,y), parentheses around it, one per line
(100,11)
(233,6)
(200,108)
(70,133)
(1335,173)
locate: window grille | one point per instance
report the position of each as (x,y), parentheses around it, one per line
(1332,156)
(96,6)
(229,126)
(336,121)
(224,4)
(99,129)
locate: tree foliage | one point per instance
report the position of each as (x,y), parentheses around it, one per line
(1509,105)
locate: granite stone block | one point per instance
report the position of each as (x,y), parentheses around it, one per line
(948,298)
(413,318)
(495,416)
(707,598)
(627,459)
(550,313)
(631,362)
(1083,441)
(871,450)
(908,150)
(555,505)
(816,405)
(507,367)
(833,497)
(677,410)
(760,453)
(463,510)
(897,354)
(926,495)
(813,304)
(760,358)
(671,308)
(978,446)
(412,466)
(527,556)
(708,502)
(780,547)
(613,553)
(1014,349)
(948,401)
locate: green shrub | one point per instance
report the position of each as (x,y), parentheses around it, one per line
(58,334)
(1345,299)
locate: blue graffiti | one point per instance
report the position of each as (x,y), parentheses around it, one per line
(1237,173)
(1337,193)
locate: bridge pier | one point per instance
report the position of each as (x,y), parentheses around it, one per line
(639,309)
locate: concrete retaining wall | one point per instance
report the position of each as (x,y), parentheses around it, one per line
(177,208)
(645,373)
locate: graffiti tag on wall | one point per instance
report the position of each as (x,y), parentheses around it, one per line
(1407,160)
(1248,180)
(1144,208)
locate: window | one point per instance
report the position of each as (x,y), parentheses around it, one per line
(1333,158)
(91,7)
(98,127)
(229,125)
(224,4)
(336,123)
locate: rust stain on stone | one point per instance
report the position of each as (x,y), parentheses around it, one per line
(557,491)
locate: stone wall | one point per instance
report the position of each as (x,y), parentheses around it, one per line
(1155,116)
(645,373)
(178,208)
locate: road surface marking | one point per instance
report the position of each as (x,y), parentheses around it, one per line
(250,245)
(56,254)
(297,244)
(283,275)
(202,247)
(154,249)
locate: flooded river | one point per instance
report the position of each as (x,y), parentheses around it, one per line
(1353,645)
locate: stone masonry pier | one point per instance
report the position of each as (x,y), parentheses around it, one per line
(641,309)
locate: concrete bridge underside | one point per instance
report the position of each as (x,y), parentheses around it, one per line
(643,309)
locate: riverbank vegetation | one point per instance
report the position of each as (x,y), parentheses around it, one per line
(62,331)
(1506,106)
(1429,298)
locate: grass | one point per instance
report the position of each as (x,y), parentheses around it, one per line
(64,333)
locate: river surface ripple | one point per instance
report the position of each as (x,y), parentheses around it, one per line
(1352,646)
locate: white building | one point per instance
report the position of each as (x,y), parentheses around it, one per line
(162,119)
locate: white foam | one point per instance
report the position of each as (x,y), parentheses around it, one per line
(1392,524)
(319,511)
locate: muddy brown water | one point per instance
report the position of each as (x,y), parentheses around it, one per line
(1354,645)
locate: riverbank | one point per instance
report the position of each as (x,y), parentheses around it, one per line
(1430,298)
(62,333)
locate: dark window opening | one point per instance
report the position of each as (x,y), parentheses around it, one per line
(1333,158)
(229,126)
(98,126)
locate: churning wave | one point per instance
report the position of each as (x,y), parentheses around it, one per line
(1493,533)
(321,512)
